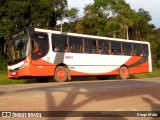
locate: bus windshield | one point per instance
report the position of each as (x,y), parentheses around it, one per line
(18,46)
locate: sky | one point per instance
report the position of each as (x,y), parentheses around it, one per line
(152,6)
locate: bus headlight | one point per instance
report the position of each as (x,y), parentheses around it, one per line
(24,65)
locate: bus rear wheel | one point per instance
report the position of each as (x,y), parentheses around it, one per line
(60,74)
(123,73)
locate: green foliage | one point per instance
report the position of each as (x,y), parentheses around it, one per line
(72,14)
(3,57)
(16,14)
(3,63)
(157,65)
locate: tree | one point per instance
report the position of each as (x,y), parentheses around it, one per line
(93,21)
(19,14)
(155,45)
(72,14)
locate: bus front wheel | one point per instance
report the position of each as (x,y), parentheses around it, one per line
(123,73)
(60,74)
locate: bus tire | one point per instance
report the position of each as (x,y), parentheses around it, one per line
(60,74)
(123,73)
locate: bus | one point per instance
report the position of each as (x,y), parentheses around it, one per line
(44,54)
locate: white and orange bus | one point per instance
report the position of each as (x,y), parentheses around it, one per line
(41,54)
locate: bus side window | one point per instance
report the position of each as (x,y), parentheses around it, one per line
(40,45)
(35,45)
(94,50)
(122,51)
(55,48)
(111,51)
(103,46)
(145,50)
(90,46)
(133,53)
(75,44)
(81,48)
(127,48)
(100,50)
(87,49)
(65,48)
(71,47)
(137,49)
(59,43)
(115,47)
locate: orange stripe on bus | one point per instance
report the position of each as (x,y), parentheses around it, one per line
(132,60)
(139,69)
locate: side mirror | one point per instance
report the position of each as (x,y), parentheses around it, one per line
(6,46)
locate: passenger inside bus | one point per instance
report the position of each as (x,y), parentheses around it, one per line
(100,51)
(93,51)
(55,48)
(38,50)
(121,51)
(133,52)
(65,48)
(81,49)
(110,51)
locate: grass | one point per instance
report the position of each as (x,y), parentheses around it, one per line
(5,81)
(155,73)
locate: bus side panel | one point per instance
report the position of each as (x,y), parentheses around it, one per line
(135,64)
(94,64)
(42,67)
(42,70)
(76,73)
(138,64)
(140,69)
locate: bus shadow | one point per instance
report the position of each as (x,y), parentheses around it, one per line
(91,95)
(84,78)
(68,105)
(154,106)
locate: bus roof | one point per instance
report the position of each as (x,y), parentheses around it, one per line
(89,36)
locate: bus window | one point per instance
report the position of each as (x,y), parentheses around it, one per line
(115,48)
(145,50)
(137,49)
(90,46)
(127,48)
(75,44)
(18,46)
(40,45)
(103,47)
(59,43)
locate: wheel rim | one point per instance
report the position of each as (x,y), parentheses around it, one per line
(124,73)
(61,74)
